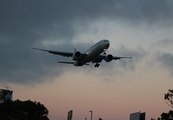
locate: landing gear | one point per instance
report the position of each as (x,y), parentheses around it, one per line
(97,65)
(104,51)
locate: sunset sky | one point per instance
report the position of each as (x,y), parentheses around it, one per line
(140,29)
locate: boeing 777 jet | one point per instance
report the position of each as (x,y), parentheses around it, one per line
(93,54)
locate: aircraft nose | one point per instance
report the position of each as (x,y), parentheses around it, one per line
(107,44)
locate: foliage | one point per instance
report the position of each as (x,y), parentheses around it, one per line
(100,119)
(169,97)
(23,110)
(167,116)
(169,100)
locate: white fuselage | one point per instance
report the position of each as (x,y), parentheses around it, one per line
(96,50)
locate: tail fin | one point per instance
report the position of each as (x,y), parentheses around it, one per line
(74,50)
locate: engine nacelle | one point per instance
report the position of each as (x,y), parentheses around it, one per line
(108,58)
(76,55)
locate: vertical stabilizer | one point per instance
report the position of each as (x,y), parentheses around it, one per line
(74,50)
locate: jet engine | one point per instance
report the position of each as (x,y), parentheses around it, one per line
(108,58)
(76,55)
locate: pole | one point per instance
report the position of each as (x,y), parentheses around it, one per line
(91,114)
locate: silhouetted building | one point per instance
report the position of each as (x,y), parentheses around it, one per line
(70,115)
(137,116)
(5,95)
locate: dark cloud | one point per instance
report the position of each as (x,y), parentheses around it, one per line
(165,59)
(28,24)
(60,15)
(137,55)
(166,42)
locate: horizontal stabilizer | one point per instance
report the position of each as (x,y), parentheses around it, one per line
(69,62)
(66,62)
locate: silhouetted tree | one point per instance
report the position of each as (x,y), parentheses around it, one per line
(100,119)
(169,97)
(167,116)
(169,100)
(23,110)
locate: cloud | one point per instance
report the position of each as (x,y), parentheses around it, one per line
(166,42)
(137,54)
(60,15)
(52,24)
(122,66)
(165,59)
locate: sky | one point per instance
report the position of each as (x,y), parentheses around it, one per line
(140,29)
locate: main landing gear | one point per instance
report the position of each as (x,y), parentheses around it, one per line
(97,65)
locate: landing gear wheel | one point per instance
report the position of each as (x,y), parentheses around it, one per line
(104,51)
(97,65)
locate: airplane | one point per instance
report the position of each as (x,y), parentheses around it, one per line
(93,54)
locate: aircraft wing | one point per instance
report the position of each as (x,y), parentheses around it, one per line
(101,57)
(116,58)
(65,54)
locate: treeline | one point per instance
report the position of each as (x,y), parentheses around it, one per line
(23,110)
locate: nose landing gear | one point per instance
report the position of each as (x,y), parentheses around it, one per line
(104,51)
